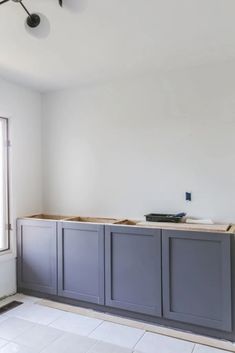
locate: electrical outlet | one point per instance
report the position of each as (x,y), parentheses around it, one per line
(188,196)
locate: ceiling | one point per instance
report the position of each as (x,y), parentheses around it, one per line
(106,39)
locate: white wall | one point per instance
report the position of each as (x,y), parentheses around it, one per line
(123,148)
(134,146)
(23,108)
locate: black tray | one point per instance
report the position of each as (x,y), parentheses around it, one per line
(161,217)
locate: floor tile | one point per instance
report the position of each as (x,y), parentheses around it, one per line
(154,343)
(35,313)
(26,298)
(103,347)
(3,318)
(19,309)
(205,349)
(13,327)
(15,348)
(70,343)
(76,323)
(38,337)
(3,342)
(117,334)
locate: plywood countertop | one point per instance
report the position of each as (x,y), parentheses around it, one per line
(220,228)
(214,228)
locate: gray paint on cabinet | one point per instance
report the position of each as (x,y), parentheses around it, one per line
(194,267)
(37,255)
(197,278)
(81,261)
(133,269)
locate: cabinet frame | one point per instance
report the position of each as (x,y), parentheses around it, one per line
(52,289)
(109,301)
(99,231)
(225,324)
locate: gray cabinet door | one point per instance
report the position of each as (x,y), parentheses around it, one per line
(133,269)
(197,278)
(81,262)
(37,255)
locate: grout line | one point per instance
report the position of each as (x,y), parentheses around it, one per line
(154,328)
(96,341)
(5,344)
(95,328)
(138,340)
(29,328)
(55,319)
(54,340)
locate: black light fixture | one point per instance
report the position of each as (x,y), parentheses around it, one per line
(33,20)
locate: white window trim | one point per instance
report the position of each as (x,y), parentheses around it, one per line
(6,253)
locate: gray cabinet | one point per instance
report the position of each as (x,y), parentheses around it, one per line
(81,261)
(171,275)
(37,255)
(197,278)
(133,269)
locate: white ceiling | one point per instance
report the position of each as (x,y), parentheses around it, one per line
(113,38)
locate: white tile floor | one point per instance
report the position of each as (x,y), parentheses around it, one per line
(32,328)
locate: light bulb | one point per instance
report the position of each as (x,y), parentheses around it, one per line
(41,29)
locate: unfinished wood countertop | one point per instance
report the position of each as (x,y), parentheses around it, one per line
(126,222)
(220,228)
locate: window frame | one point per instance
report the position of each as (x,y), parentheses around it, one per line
(7,188)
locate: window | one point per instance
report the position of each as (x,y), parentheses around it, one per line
(4,186)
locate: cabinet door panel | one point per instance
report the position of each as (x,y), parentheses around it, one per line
(133,269)
(81,262)
(197,278)
(37,255)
